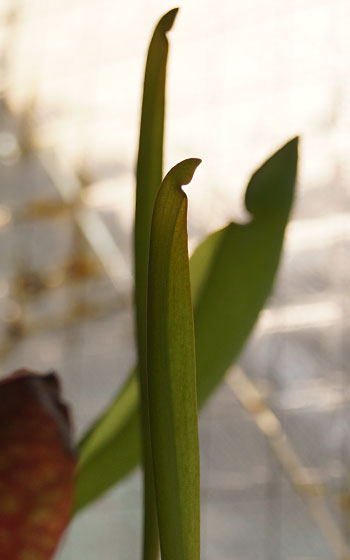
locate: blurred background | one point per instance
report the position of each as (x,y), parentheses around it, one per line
(243,78)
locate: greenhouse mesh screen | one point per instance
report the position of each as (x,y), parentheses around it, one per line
(243,79)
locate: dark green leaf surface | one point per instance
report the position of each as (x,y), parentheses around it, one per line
(172,373)
(232,273)
(148,180)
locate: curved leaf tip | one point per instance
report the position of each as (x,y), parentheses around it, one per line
(183,172)
(270,189)
(171,371)
(166,22)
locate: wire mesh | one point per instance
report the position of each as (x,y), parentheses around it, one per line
(275,437)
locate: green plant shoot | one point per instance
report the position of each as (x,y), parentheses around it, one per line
(232,274)
(148,180)
(171,371)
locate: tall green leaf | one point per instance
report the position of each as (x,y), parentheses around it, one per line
(171,371)
(148,180)
(232,273)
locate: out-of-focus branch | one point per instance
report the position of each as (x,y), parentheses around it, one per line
(311,492)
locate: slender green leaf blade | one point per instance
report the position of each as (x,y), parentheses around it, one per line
(148,180)
(171,371)
(234,259)
(150,163)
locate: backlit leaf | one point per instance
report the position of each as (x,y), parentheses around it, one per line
(171,371)
(232,273)
(148,180)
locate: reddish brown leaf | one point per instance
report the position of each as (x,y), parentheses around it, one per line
(36,466)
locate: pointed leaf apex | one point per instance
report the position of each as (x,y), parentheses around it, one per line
(183,172)
(166,22)
(271,187)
